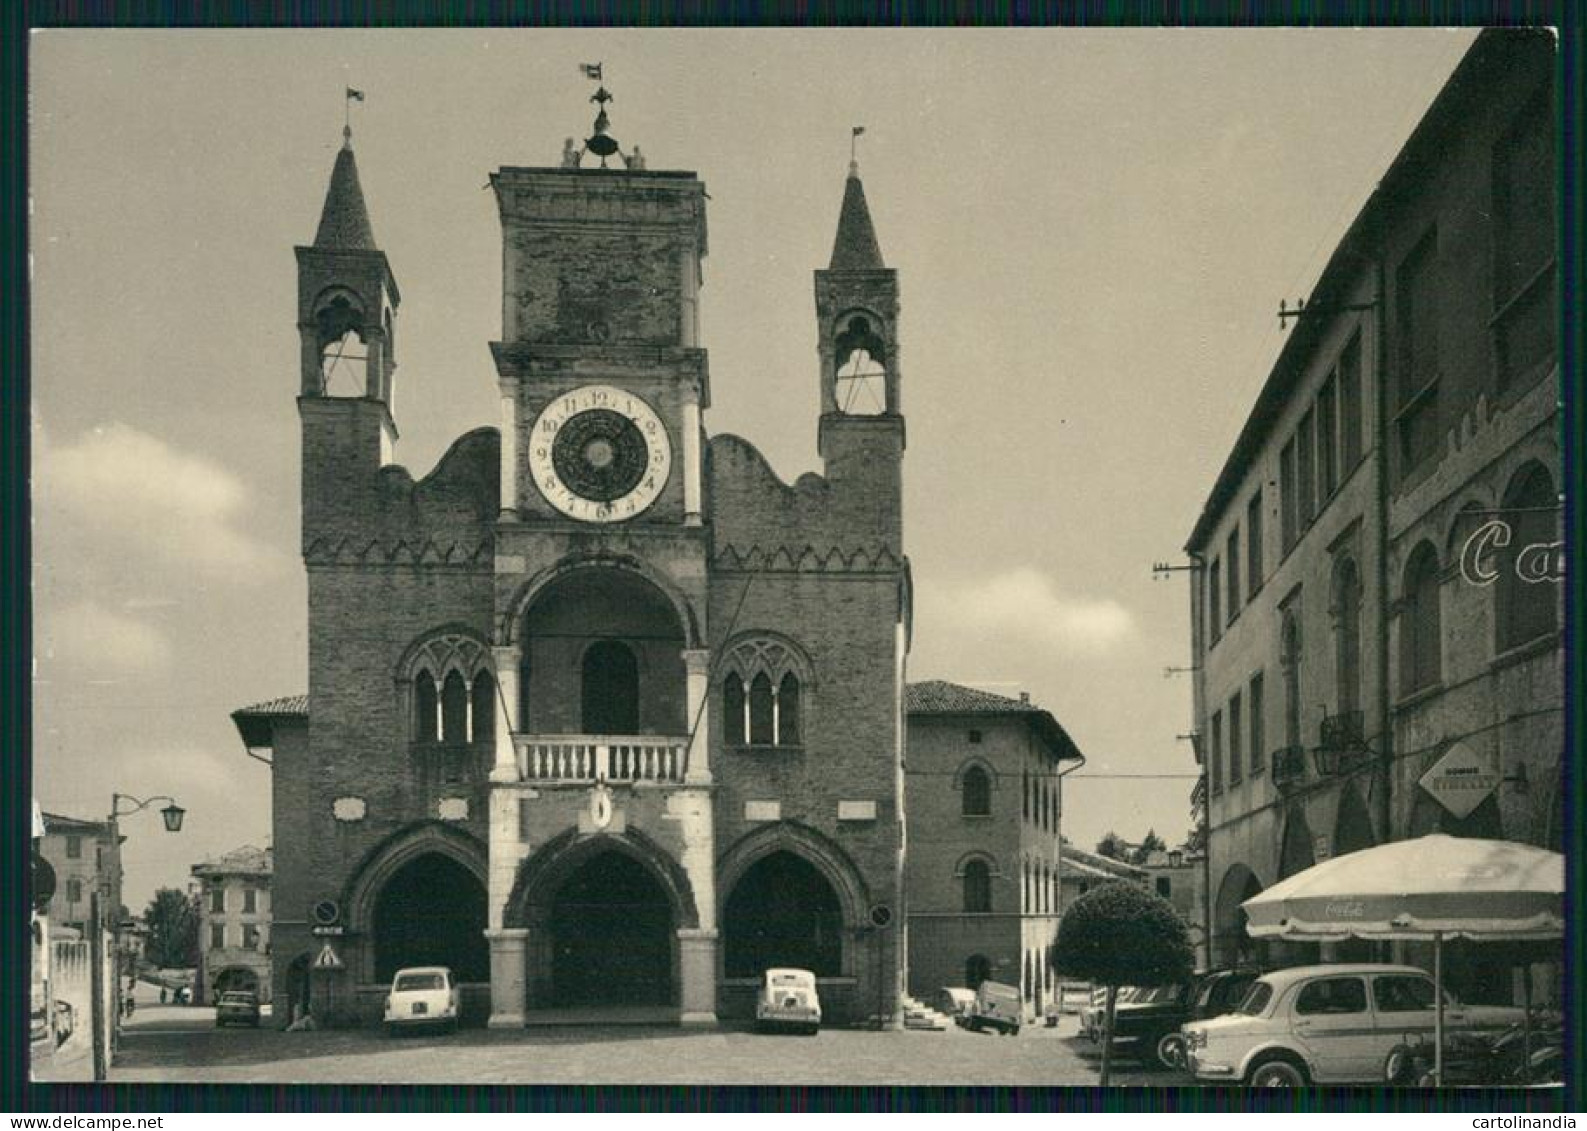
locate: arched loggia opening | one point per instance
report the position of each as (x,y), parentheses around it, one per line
(782,912)
(431,912)
(612,935)
(1352,833)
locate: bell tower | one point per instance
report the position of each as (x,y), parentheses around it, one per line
(861,433)
(347,303)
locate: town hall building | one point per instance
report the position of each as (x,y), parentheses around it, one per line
(601,713)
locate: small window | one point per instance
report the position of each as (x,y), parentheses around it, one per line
(1253,545)
(1236,741)
(1332,996)
(977,887)
(1350,406)
(975,737)
(1215,599)
(1327,448)
(74,848)
(74,891)
(250,901)
(1165,887)
(1215,755)
(1527,606)
(1254,707)
(426,717)
(1255,1000)
(1231,557)
(250,936)
(217,936)
(1305,478)
(1401,993)
(217,899)
(976,793)
(761,729)
(454,708)
(1287,496)
(1420,622)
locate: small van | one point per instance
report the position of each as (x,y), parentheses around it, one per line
(996,1007)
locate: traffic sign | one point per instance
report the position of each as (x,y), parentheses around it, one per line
(1461,780)
(327,959)
(334,932)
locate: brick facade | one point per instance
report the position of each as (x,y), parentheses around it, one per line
(518,701)
(1440,306)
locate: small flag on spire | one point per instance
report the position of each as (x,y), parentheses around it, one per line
(591,71)
(355,95)
(858,130)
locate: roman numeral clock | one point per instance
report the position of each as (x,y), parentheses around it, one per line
(600,454)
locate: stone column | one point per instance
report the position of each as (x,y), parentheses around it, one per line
(691,460)
(508,946)
(509,450)
(697,666)
(506,763)
(697,969)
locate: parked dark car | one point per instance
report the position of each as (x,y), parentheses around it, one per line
(1148,1024)
(237,1007)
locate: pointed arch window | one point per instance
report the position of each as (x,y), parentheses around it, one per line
(764,693)
(860,385)
(1421,626)
(451,690)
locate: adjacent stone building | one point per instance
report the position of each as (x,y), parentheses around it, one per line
(984,790)
(234,924)
(601,712)
(86,856)
(1376,606)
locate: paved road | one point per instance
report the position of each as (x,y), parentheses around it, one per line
(181,1045)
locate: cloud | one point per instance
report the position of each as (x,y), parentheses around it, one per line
(1024,603)
(99,643)
(146,496)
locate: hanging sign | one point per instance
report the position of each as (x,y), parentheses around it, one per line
(1461,780)
(327,959)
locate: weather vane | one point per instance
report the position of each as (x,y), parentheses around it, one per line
(600,142)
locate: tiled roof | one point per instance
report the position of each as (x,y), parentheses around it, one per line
(855,248)
(344,222)
(246,860)
(271,708)
(54,822)
(1095,864)
(939,697)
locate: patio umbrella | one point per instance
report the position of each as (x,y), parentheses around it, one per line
(1431,888)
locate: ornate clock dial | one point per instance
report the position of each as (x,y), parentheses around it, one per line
(599,454)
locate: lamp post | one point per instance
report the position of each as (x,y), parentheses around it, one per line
(172,815)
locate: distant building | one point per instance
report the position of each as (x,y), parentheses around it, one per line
(983,789)
(1178,876)
(1084,870)
(234,923)
(1377,610)
(86,856)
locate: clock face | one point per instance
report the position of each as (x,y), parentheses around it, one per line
(599,454)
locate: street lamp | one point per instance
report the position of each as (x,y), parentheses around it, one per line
(172,815)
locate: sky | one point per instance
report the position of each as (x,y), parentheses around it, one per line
(1093,230)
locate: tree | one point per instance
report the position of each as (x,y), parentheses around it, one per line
(172,919)
(1121,934)
(1113,846)
(1143,851)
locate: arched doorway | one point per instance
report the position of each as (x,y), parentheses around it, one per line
(234,978)
(431,912)
(977,969)
(782,912)
(1296,854)
(298,1001)
(612,930)
(1231,945)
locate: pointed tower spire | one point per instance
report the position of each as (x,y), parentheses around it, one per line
(344,221)
(855,248)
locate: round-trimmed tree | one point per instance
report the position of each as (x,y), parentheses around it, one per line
(1121,934)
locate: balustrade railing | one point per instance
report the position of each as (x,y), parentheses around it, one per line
(601,757)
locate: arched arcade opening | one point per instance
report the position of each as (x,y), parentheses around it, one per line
(431,912)
(782,912)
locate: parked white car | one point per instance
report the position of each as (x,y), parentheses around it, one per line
(1327,1024)
(788,999)
(422,996)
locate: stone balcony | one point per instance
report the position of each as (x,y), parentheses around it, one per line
(573,759)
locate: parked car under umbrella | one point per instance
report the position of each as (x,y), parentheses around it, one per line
(1429,889)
